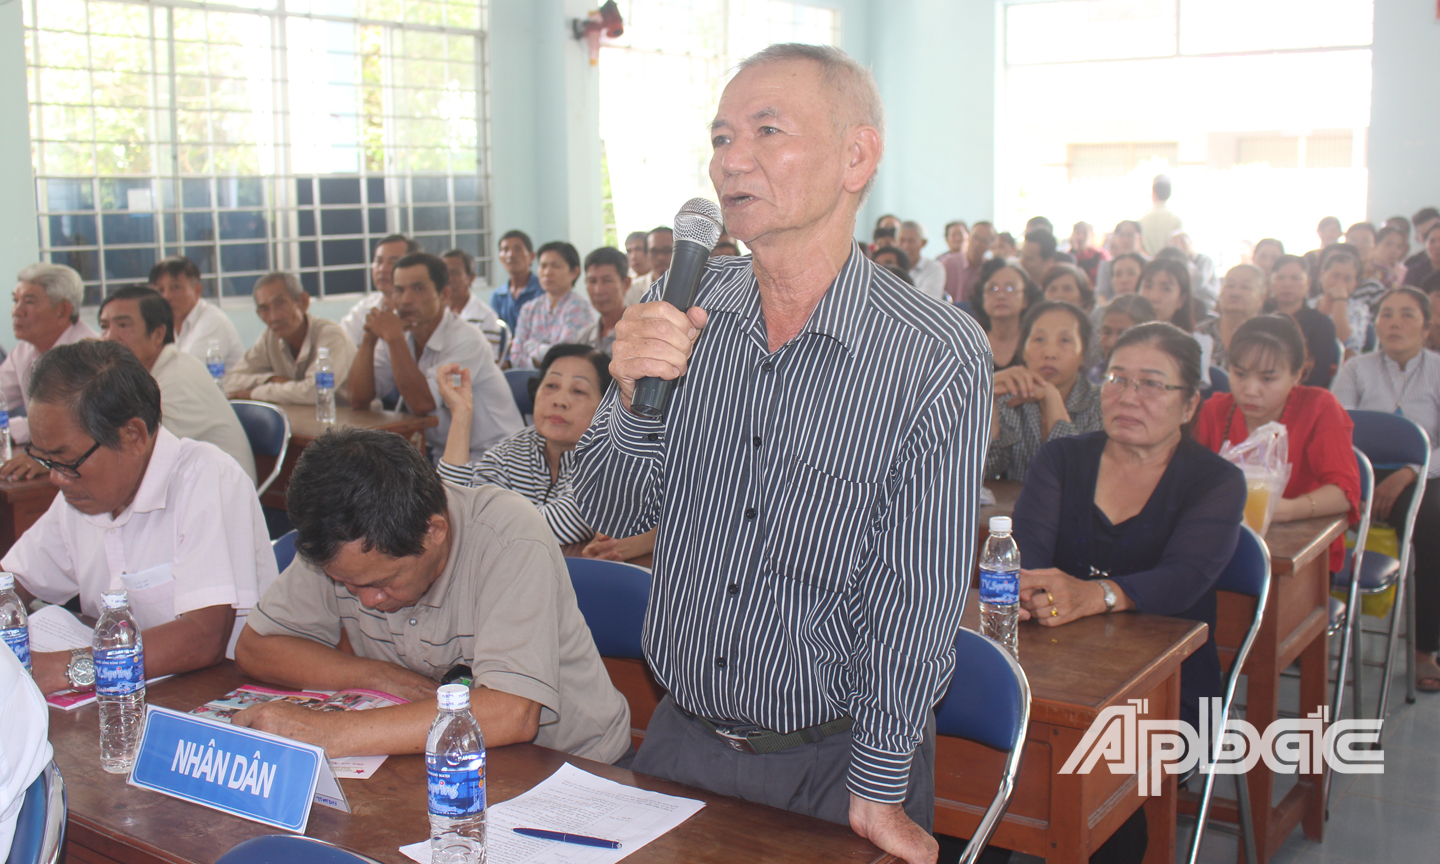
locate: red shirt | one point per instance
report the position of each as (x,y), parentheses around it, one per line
(1320,441)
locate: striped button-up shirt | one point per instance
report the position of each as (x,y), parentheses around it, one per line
(816,509)
(518,464)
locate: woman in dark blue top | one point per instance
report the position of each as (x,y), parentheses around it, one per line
(1140,508)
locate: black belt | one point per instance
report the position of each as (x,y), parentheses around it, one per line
(761,741)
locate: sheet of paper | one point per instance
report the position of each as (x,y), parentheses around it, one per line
(577,802)
(53,628)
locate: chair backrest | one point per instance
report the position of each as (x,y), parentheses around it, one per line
(1390,438)
(1219,380)
(291,849)
(519,381)
(1249,569)
(268,428)
(40,824)
(988,701)
(284,547)
(612,597)
(503,344)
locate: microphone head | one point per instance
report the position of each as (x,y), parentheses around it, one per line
(699,221)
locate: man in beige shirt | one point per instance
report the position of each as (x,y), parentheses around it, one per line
(421,578)
(280,366)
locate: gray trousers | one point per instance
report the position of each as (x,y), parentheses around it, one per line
(808,779)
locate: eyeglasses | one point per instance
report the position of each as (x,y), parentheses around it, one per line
(1148,388)
(1001,289)
(64,469)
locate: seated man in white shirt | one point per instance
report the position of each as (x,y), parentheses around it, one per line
(929,274)
(137,507)
(46,313)
(280,366)
(389,250)
(197,323)
(136,317)
(25,747)
(401,349)
(471,309)
(608,285)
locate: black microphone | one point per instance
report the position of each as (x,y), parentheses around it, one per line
(697,228)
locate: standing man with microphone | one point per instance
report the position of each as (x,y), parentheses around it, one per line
(814,477)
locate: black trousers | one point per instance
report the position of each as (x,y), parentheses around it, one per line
(809,779)
(1427,558)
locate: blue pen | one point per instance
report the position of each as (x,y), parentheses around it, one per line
(562,837)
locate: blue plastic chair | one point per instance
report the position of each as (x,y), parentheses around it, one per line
(1373,572)
(40,824)
(1248,573)
(519,381)
(988,701)
(268,428)
(612,596)
(284,547)
(1389,439)
(1219,380)
(502,345)
(291,849)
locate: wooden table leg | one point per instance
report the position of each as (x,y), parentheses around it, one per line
(1314,675)
(1262,708)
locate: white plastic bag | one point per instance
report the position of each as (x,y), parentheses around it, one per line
(1265,459)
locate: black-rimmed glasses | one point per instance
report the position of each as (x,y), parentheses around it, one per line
(64,469)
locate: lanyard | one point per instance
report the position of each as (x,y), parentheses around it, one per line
(1404,381)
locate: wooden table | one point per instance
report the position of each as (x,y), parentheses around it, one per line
(1294,627)
(1075,672)
(21,503)
(304,428)
(113,823)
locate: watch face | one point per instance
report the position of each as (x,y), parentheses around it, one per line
(81,671)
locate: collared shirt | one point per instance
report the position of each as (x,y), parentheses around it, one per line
(15,376)
(195,511)
(815,504)
(1019,437)
(192,406)
(929,276)
(477,313)
(508,306)
(1156,227)
(1357,314)
(1375,382)
(503,606)
(454,341)
(591,336)
(24,748)
(543,327)
(518,464)
(206,322)
(354,320)
(272,355)
(638,286)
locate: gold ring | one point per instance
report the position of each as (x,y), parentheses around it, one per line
(1054,611)
(1049,599)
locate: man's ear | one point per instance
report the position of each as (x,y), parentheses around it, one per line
(437,531)
(134,437)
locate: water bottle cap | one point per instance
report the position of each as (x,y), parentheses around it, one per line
(7,581)
(114,599)
(453,696)
(999,524)
(324,352)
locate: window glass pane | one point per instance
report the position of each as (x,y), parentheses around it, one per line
(1089,30)
(72,231)
(129,228)
(1228,26)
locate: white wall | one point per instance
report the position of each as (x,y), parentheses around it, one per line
(1404,122)
(19,237)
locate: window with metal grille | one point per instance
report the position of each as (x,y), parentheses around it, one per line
(255,135)
(1115,160)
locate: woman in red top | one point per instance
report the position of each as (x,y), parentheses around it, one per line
(1266,361)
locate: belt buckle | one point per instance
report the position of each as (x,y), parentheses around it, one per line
(738,742)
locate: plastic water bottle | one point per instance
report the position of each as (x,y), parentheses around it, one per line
(119,682)
(14,623)
(215,361)
(7,447)
(455,767)
(1000,585)
(324,388)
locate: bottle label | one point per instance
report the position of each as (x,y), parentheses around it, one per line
(119,671)
(457,788)
(325,380)
(4,419)
(999,587)
(217,370)
(18,638)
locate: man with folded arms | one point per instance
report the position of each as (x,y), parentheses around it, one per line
(424,579)
(388,251)
(280,366)
(174,521)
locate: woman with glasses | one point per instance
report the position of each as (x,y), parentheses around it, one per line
(1266,362)
(1047,398)
(1006,292)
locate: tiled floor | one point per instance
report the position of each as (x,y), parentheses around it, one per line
(1389,818)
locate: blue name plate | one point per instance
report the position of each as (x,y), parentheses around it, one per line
(239,771)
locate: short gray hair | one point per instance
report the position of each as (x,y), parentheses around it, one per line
(913,226)
(61,284)
(839,70)
(292,284)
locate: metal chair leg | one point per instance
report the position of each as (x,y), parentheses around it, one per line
(1410,628)
(1397,612)
(1358,673)
(1247,824)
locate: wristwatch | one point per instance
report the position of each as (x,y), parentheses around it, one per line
(1110,598)
(81,672)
